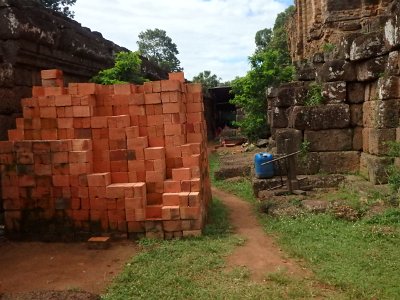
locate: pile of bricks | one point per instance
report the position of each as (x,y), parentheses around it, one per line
(108,158)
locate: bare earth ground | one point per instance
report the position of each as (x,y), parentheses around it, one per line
(27,267)
(259,253)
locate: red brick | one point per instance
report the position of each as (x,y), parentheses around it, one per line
(137,110)
(181,174)
(170,108)
(97,203)
(195,138)
(63,100)
(79,168)
(154,153)
(136,99)
(51,74)
(80,156)
(99,179)
(65,122)
(155,176)
(122,121)
(81,145)
(190,213)
(48,112)
(98,122)
(171,86)
(170,213)
(37,91)
(172,226)
(86,88)
(140,142)
(66,133)
(174,129)
(170,199)
(119,177)
(180,76)
(153,120)
(152,98)
(132,132)
(60,146)
(122,89)
(184,199)
(49,134)
(156,141)
(97,192)
(82,111)
(61,180)
(134,203)
(153,212)
(156,86)
(194,199)
(54,91)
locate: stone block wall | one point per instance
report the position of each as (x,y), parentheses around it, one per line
(93,159)
(33,38)
(360,110)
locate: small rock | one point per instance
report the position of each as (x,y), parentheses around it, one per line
(315,206)
(262,143)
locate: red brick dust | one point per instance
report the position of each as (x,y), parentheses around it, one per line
(28,267)
(259,254)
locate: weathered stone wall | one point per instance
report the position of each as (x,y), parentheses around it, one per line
(317,23)
(33,38)
(360,87)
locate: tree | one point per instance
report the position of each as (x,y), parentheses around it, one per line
(207,80)
(61,6)
(269,65)
(263,39)
(127,68)
(157,47)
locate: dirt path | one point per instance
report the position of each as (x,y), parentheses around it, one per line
(26,267)
(259,254)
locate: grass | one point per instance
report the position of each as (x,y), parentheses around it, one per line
(195,269)
(360,259)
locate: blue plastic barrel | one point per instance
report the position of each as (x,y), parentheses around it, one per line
(263,171)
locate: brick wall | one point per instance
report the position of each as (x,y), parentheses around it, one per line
(127,159)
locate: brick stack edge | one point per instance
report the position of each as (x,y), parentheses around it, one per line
(130,159)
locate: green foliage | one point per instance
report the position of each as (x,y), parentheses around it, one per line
(207,80)
(269,65)
(127,68)
(393,171)
(155,45)
(314,95)
(328,47)
(61,6)
(388,217)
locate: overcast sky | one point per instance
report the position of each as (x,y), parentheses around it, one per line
(215,35)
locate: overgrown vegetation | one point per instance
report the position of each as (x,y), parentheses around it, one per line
(314,95)
(328,48)
(127,68)
(269,65)
(62,6)
(393,171)
(359,258)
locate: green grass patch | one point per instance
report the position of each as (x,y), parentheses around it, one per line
(195,268)
(361,259)
(241,187)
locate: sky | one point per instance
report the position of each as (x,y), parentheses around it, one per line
(214,35)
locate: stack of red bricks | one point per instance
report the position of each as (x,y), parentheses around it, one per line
(112,158)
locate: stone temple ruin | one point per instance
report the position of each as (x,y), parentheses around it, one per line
(350,51)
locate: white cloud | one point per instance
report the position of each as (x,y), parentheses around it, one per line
(215,35)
